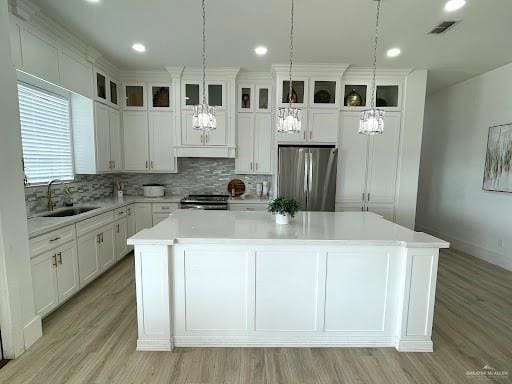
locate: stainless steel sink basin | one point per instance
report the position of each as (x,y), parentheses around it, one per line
(69,212)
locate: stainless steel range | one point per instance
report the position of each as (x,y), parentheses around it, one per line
(206,202)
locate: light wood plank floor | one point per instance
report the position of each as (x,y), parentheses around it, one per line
(91,339)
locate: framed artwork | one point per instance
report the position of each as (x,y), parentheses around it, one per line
(498,162)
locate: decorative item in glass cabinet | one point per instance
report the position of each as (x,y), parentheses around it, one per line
(372,120)
(353,99)
(203,117)
(289,118)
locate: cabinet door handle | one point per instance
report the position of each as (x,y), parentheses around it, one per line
(366,209)
(310,135)
(362,209)
(113,164)
(251,165)
(129,211)
(54,261)
(146,164)
(304,135)
(60,257)
(207,137)
(368,196)
(54,239)
(256,166)
(202,141)
(362,196)
(117,228)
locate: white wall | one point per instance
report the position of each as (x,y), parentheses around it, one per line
(19,324)
(451,202)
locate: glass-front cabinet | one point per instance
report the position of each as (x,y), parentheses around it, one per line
(216,94)
(357,95)
(299,93)
(246,98)
(325,93)
(263,98)
(159,97)
(105,89)
(191,93)
(134,96)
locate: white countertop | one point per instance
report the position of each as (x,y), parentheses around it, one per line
(38,225)
(321,228)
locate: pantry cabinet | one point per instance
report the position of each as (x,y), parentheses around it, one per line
(54,277)
(367,170)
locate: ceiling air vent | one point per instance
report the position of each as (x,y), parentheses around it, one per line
(443,27)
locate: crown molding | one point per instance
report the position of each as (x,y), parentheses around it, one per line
(311,69)
(220,72)
(254,76)
(175,72)
(367,72)
(146,75)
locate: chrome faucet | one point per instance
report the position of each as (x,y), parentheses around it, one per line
(51,203)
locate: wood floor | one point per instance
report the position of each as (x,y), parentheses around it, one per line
(91,339)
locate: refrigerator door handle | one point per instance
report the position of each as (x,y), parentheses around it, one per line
(310,173)
(306,177)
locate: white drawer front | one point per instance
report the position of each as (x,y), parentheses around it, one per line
(51,240)
(120,213)
(247,207)
(94,223)
(165,207)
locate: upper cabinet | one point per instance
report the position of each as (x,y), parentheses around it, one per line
(37,54)
(106,89)
(134,96)
(159,97)
(317,92)
(254,97)
(358,93)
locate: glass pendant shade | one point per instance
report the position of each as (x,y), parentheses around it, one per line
(204,118)
(289,120)
(371,122)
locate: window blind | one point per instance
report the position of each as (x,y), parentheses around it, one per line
(45,134)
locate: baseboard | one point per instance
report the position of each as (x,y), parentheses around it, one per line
(154,345)
(414,346)
(32,331)
(289,342)
(471,249)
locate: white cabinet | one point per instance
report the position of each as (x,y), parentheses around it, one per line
(149,141)
(323,126)
(136,146)
(191,136)
(54,277)
(130,218)
(120,237)
(106,248)
(161,211)
(159,217)
(254,143)
(161,141)
(40,57)
(143,216)
(106,89)
(367,170)
(108,138)
(248,206)
(75,74)
(95,253)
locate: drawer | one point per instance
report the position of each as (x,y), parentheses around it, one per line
(165,207)
(94,222)
(248,207)
(120,213)
(51,240)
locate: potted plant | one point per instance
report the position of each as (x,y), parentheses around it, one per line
(284,209)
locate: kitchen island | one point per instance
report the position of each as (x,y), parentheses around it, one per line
(224,278)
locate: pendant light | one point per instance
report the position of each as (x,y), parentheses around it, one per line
(372,120)
(203,118)
(288,118)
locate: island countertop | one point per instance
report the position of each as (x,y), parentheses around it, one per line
(321,228)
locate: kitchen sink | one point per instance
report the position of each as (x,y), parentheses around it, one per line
(69,212)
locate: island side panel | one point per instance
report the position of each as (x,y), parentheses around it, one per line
(152,279)
(419,290)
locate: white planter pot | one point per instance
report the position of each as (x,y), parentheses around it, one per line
(282,219)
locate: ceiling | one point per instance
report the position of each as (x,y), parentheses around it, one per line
(327,31)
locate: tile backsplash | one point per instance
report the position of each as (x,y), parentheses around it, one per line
(197,175)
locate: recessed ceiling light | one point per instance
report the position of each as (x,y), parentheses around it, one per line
(93,1)
(454,5)
(138,47)
(394,52)
(261,50)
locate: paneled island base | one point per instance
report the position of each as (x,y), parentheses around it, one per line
(326,280)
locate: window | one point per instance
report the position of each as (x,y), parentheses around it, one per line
(45,135)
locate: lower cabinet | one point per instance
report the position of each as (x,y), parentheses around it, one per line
(159,217)
(54,277)
(143,216)
(95,253)
(120,235)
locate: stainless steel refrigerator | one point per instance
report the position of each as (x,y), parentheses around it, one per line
(308,175)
